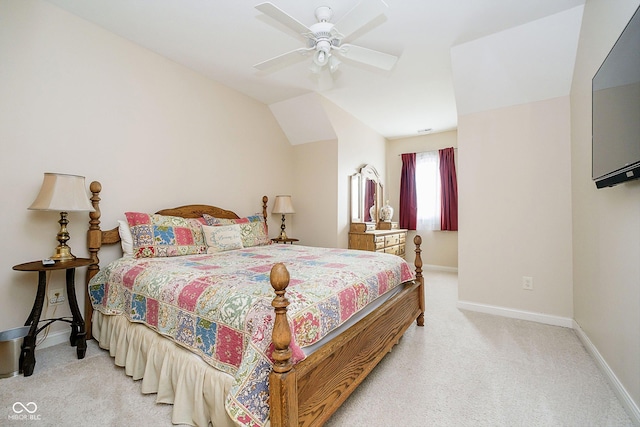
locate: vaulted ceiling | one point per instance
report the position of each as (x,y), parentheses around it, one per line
(455,57)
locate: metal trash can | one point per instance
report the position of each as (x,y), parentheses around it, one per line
(10,347)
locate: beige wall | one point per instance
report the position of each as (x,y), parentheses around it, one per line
(515,207)
(357,145)
(316,185)
(166,136)
(439,248)
(322,171)
(606,222)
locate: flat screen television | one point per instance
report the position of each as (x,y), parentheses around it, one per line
(616,111)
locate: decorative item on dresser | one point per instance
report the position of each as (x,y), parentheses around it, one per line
(386,212)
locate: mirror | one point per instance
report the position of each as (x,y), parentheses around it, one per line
(366,195)
(356,207)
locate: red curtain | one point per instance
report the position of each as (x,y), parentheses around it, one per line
(449,183)
(408,196)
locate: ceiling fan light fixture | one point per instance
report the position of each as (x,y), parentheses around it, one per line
(315,68)
(334,63)
(320,58)
(323,49)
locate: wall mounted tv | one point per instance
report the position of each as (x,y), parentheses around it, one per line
(616,111)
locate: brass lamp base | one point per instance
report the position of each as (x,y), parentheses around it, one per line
(63,252)
(283,235)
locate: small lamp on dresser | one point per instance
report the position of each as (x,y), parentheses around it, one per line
(62,193)
(283,206)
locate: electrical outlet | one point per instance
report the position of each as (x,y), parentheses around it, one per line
(56,296)
(527,283)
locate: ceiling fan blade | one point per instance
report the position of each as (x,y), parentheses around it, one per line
(368,56)
(282,17)
(282,59)
(361,14)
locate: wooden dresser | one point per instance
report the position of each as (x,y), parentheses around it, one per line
(366,237)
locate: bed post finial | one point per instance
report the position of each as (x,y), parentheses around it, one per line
(283,395)
(265,199)
(417,240)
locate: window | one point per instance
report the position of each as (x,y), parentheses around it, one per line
(429,191)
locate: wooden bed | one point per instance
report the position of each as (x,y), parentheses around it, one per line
(309,392)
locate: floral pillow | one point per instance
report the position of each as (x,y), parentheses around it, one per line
(164,236)
(222,238)
(252,228)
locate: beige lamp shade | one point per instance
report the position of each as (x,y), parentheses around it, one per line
(62,193)
(283,205)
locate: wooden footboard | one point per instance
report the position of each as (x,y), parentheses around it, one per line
(308,393)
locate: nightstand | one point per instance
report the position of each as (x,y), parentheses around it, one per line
(285,241)
(27,355)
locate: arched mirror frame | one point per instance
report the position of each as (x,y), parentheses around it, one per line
(362,184)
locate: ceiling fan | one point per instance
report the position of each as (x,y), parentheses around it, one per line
(325,40)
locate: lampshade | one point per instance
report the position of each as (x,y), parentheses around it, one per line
(62,193)
(283,205)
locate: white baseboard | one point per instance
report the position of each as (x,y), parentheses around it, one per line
(434,267)
(517,314)
(54,338)
(625,399)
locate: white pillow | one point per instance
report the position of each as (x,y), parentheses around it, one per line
(126,238)
(221,238)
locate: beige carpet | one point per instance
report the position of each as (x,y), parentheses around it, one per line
(461,369)
(473,369)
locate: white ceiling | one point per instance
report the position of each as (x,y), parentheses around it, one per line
(224,39)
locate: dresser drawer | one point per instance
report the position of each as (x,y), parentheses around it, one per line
(379,241)
(396,250)
(392,240)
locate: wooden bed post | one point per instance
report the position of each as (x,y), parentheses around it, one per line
(94,242)
(283,390)
(265,199)
(418,263)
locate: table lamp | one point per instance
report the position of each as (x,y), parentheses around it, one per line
(63,193)
(283,206)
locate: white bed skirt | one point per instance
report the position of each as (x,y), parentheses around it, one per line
(196,390)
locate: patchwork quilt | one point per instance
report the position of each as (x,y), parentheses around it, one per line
(219,305)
